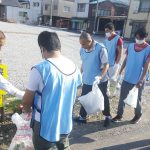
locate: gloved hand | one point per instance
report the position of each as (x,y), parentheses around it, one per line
(19,94)
(97,80)
(119,78)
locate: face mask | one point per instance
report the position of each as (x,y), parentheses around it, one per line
(108,34)
(139,41)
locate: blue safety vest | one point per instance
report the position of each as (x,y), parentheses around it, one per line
(57,100)
(135,63)
(91,63)
(111,46)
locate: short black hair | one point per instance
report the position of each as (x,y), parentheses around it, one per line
(141,32)
(49,41)
(110,26)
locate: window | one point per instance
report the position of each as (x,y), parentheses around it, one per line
(144,6)
(47,7)
(81,7)
(55,7)
(36,4)
(66,9)
(25,5)
(104,12)
(23,14)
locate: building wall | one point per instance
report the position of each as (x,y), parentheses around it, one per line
(12,14)
(102,6)
(32,13)
(58,8)
(70,4)
(81,14)
(135,16)
(35,12)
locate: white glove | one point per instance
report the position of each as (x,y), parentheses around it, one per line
(19,94)
(97,80)
(119,78)
(118,86)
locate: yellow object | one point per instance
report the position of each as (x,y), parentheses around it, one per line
(4,73)
(1,101)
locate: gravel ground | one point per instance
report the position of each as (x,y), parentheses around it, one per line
(21,53)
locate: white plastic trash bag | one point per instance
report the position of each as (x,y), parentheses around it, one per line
(23,137)
(113,72)
(93,102)
(132,98)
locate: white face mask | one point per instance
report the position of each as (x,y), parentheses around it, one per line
(139,41)
(108,34)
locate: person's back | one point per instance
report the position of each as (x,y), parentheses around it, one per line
(58,96)
(53,83)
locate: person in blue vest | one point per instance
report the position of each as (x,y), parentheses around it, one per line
(51,92)
(136,64)
(114,45)
(94,64)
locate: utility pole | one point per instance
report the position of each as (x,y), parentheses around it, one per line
(96,14)
(51,13)
(40,18)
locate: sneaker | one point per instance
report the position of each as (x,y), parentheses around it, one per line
(80,119)
(107,122)
(136,119)
(117,119)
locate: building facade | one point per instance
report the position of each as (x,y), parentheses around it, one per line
(30,11)
(9,10)
(102,12)
(21,11)
(60,11)
(80,19)
(138,16)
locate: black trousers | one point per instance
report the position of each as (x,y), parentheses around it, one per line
(103,87)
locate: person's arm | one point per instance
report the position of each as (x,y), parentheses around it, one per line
(104,62)
(81,68)
(8,87)
(123,65)
(28,100)
(32,87)
(140,82)
(104,70)
(119,50)
(119,54)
